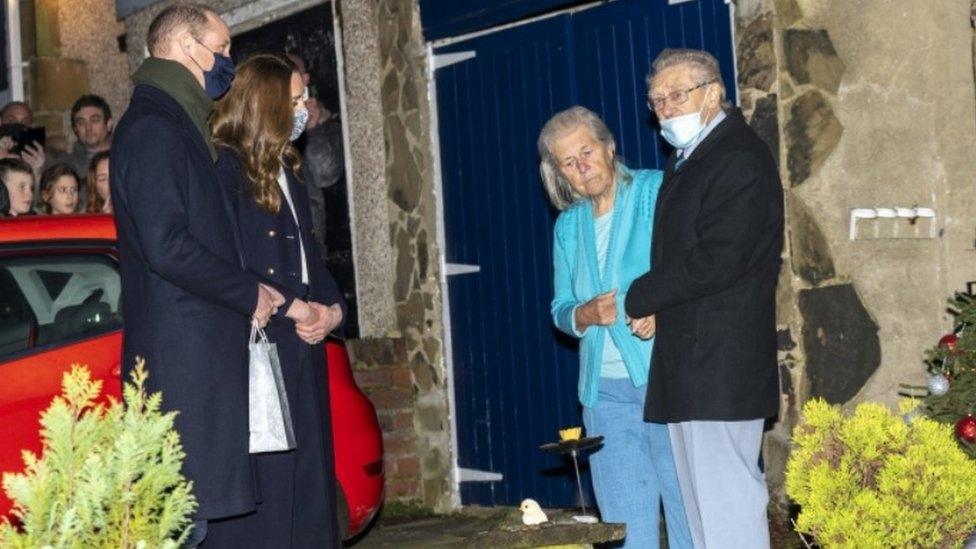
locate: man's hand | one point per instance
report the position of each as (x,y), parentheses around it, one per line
(644,328)
(601,311)
(34,155)
(319,323)
(269,300)
(6,145)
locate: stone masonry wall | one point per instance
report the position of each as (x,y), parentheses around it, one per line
(93,38)
(54,80)
(412,209)
(867,104)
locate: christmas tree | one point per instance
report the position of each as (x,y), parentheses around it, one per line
(951,364)
(108,476)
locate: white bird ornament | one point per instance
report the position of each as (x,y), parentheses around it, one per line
(532,514)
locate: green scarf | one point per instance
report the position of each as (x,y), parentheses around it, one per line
(179,83)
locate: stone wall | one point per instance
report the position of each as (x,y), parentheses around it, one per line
(867,104)
(54,80)
(92,37)
(72,47)
(412,209)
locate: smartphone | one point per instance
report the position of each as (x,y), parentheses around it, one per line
(22,136)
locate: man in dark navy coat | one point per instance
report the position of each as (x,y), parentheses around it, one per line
(715,260)
(187,300)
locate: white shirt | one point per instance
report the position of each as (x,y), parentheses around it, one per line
(283,183)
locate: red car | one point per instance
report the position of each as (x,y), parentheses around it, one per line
(59,305)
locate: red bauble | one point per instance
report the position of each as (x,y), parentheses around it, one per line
(948,342)
(966,429)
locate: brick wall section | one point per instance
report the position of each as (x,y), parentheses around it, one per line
(382,371)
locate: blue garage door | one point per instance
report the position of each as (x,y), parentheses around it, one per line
(515,376)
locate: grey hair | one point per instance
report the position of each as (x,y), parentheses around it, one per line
(704,65)
(561,194)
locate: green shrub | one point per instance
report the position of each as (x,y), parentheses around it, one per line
(872,480)
(108,475)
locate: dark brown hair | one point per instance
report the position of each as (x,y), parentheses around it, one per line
(50,176)
(255,119)
(95,201)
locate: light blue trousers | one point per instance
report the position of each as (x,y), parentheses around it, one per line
(724,491)
(634,470)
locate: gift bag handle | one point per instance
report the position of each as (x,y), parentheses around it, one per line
(256,331)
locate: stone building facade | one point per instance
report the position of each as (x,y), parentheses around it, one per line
(71,48)
(867,105)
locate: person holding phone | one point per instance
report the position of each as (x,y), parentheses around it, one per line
(25,141)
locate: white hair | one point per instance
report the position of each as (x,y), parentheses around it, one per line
(560,192)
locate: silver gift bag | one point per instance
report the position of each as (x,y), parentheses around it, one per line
(270,418)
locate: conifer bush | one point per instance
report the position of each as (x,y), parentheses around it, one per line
(873,480)
(108,475)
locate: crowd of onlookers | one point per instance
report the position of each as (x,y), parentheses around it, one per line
(37,180)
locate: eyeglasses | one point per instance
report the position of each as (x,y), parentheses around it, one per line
(677,97)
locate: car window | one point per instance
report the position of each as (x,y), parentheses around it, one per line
(45,300)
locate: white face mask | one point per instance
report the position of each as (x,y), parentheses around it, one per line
(681,131)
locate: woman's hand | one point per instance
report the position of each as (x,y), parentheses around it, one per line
(301,312)
(325,320)
(644,328)
(601,311)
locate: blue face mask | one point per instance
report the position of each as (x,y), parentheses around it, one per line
(217,80)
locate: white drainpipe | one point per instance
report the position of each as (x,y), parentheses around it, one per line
(16,61)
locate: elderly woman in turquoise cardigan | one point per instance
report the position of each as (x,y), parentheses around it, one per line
(601,243)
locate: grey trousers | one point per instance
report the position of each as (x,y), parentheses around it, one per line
(722,487)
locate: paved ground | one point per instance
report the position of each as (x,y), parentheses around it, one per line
(404,527)
(417,528)
(476,527)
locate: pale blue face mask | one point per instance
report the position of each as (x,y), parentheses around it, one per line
(682,131)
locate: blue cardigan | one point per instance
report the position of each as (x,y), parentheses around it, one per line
(577,274)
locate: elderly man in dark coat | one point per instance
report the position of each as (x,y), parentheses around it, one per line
(715,256)
(186,297)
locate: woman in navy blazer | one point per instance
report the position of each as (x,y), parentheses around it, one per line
(253,127)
